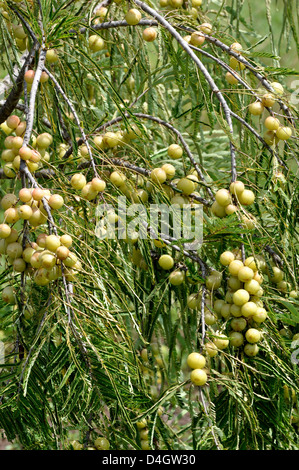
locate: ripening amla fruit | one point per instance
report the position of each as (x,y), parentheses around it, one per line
(226,258)
(196,361)
(240,297)
(198,377)
(166,262)
(253,335)
(221,341)
(133,16)
(284,133)
(78,181)
(158,175)
(176,278)
(223,197)
(256,108)
(96,43)
(175,151)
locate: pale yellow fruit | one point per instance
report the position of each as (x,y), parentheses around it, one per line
(235,266)
(78,181)
(149,34)
(133,16)
(223,197)
(284,133)
(218,210)
(245,274)
(236,339)
(211,349)
(166,262)
(260,315)
(251,350)
(176,278)
(238,324)
(236,187)
(226,258)
(246,197)
(158,176)
(197,38)
(248,309)
(256,109)
(268,100)
(186,186)
(198,377)
(253,335)
(52,242)
(272,123)
(196,361)
(221,341)
(240,297)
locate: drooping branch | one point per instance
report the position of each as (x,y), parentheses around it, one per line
(12,100)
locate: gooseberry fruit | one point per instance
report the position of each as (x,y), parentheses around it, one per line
(198,377)
(196,361)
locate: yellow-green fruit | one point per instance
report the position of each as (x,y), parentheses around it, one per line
(250,262)
(8,201)
(213,281)
(193,301)
(8,295)
(276,275)
(231,79)
(252,286)
(101,443)
(253,335)
(218,210)
(293,294)
(176,278)
(225,311)
(166,262)
(235,266)
(218,304)
(196,361)
(235,64)
(133,16)
(52,243)
(78,181)
(236,46)
(251,350)
(260,315)
(141,424)
(197,38)
(226,258)
(158,175)
(234,283)
(223,197)
(198,377)
(235,310)
(256,109)
(238,324)
(5,231)
(96,43)
(51,56)
(268,100)
(144,443)
(186,186)
(66,240)
(210,319)
(247,197)
(245,274)
(240,297)
(236,339)
(272,123)
(284,133)
(117,178)
(149,34)
(221,341)
(249,309)
(169,170)
(277,87)
(206,28)
(98,184)
(211,349)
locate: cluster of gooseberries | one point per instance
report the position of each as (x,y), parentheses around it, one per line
(225,202)
(15,150)
(89,190)
(100,443)
(143,434)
